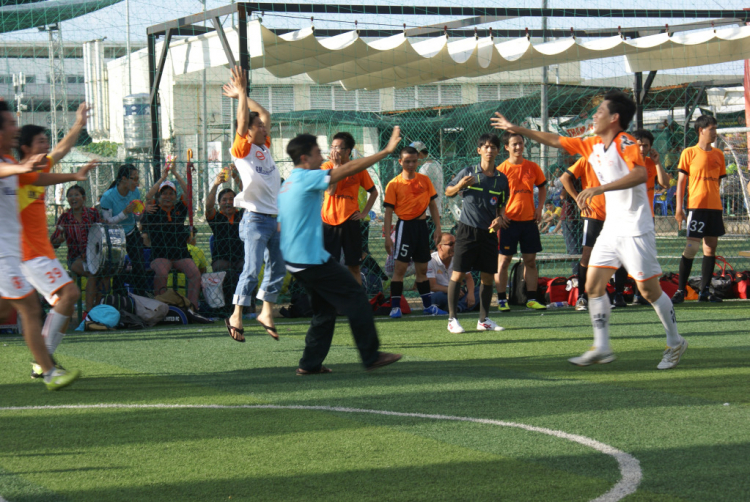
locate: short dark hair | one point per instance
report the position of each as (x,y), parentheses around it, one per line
(704,121)
(250,119)
(77,187)
(301,145)
(488,137)
(508,135)
(641,134)
(347,138)
(224,192)
(623,105)
(27,134)
(407,150)
(123,172)
(4,107)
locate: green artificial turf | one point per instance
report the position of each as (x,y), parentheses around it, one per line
(691,446)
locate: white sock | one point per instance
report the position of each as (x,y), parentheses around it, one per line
(51,330)
(665,310)
(599,309)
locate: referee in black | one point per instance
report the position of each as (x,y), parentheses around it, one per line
(485,191)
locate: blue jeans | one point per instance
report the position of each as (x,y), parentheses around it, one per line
(261,238)
(441,300)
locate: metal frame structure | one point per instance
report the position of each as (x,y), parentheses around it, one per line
(188,27)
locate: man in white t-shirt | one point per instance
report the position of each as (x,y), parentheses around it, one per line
(259,227)
(627,237)
(433,170)
(439,271)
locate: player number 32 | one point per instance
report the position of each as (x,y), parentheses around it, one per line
(694,226)
(53,275)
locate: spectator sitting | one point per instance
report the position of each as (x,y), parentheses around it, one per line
(228,249)
(439,271)
(550,217)
(166,231)
(73,228)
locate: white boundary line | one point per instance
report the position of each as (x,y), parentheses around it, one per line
(629,466)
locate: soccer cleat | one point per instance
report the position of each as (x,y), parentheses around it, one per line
(61,378)
(434,310)
(488,325)
(639,300)
(708,297)
(618,301)
(502,306)
(593,356)
(395,313)
(535,305)
(454,326)
(38,372)
(672,355)
(678,297)
(582,304)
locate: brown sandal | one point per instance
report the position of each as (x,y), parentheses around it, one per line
(232,330)
(271,331)
(323,369)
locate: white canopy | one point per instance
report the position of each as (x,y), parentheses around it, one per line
(398,61)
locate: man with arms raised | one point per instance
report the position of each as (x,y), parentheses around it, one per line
(627,237)
(484,190)
(342,229)
(331,287)
(409,195)
(701,169)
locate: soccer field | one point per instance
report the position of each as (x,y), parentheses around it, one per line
(189,414)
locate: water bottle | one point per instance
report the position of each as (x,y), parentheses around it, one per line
(556,305)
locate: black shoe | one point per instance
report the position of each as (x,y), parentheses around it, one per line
(678,297)
(619,301)
(706,296)
(639,300)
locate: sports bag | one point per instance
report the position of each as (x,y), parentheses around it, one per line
(150,310)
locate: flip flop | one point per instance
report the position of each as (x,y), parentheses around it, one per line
(271,331)
(233,330)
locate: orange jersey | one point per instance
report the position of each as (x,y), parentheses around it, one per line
(339,207)
(597,206)
(34,238)
(650,181)
(705,170)
(241,146)
(522,178)
(409,198)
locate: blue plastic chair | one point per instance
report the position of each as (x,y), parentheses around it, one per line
(665,204)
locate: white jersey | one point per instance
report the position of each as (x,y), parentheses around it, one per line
(261,181)
(10,221)
(628,211)
(437,270)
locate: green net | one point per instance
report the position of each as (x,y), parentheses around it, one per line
(82,53)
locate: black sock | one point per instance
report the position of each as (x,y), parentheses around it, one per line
(530,295)
(397,289)
(707,272)
(485,300)
(686,265)
(454,291)
(502,296)
(620,276)
(582,280)
(424,292)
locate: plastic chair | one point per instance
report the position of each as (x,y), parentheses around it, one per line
(211,245)
(665,204)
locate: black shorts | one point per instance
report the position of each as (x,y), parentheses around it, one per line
(412,241)
(525,232)
(591,230)
(475,250)
(705,223)
(347,236)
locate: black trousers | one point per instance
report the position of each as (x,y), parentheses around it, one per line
(138,277)
(332,288)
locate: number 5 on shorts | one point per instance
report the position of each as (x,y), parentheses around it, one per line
(404,250)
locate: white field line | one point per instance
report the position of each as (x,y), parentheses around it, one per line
(630,469)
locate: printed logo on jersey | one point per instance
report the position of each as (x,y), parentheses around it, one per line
(259,155)
(417,188)
(625,142)
(265,171)
(493,201)
(9,191)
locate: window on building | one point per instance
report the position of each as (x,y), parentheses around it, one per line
(321,97)
(282,99)
(368,101)
(404,98)
(450,94)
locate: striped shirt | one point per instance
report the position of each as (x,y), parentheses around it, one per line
(76,232)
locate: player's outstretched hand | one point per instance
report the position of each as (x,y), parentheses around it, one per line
(394,141)
(37,162)
(237,83)
(82,114)
(83,173)
(654,154)
(500,122)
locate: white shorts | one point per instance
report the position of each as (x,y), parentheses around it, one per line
(13,284)
(636,254)
(47,276)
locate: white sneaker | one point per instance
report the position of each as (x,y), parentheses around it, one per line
(488,325)
(672,355)
(593,356)
(454,326)
(582,304)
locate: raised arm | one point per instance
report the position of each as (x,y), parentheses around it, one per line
(635,177)
(357,165)
(264,114)
(70,139)
(47,179)
(662,176)
(211,197)
(546,138)
(237,89)
(151,194)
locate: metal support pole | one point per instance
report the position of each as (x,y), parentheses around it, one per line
(154,100)
(544,151)
(204,131)
(127,43)
(638,95)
